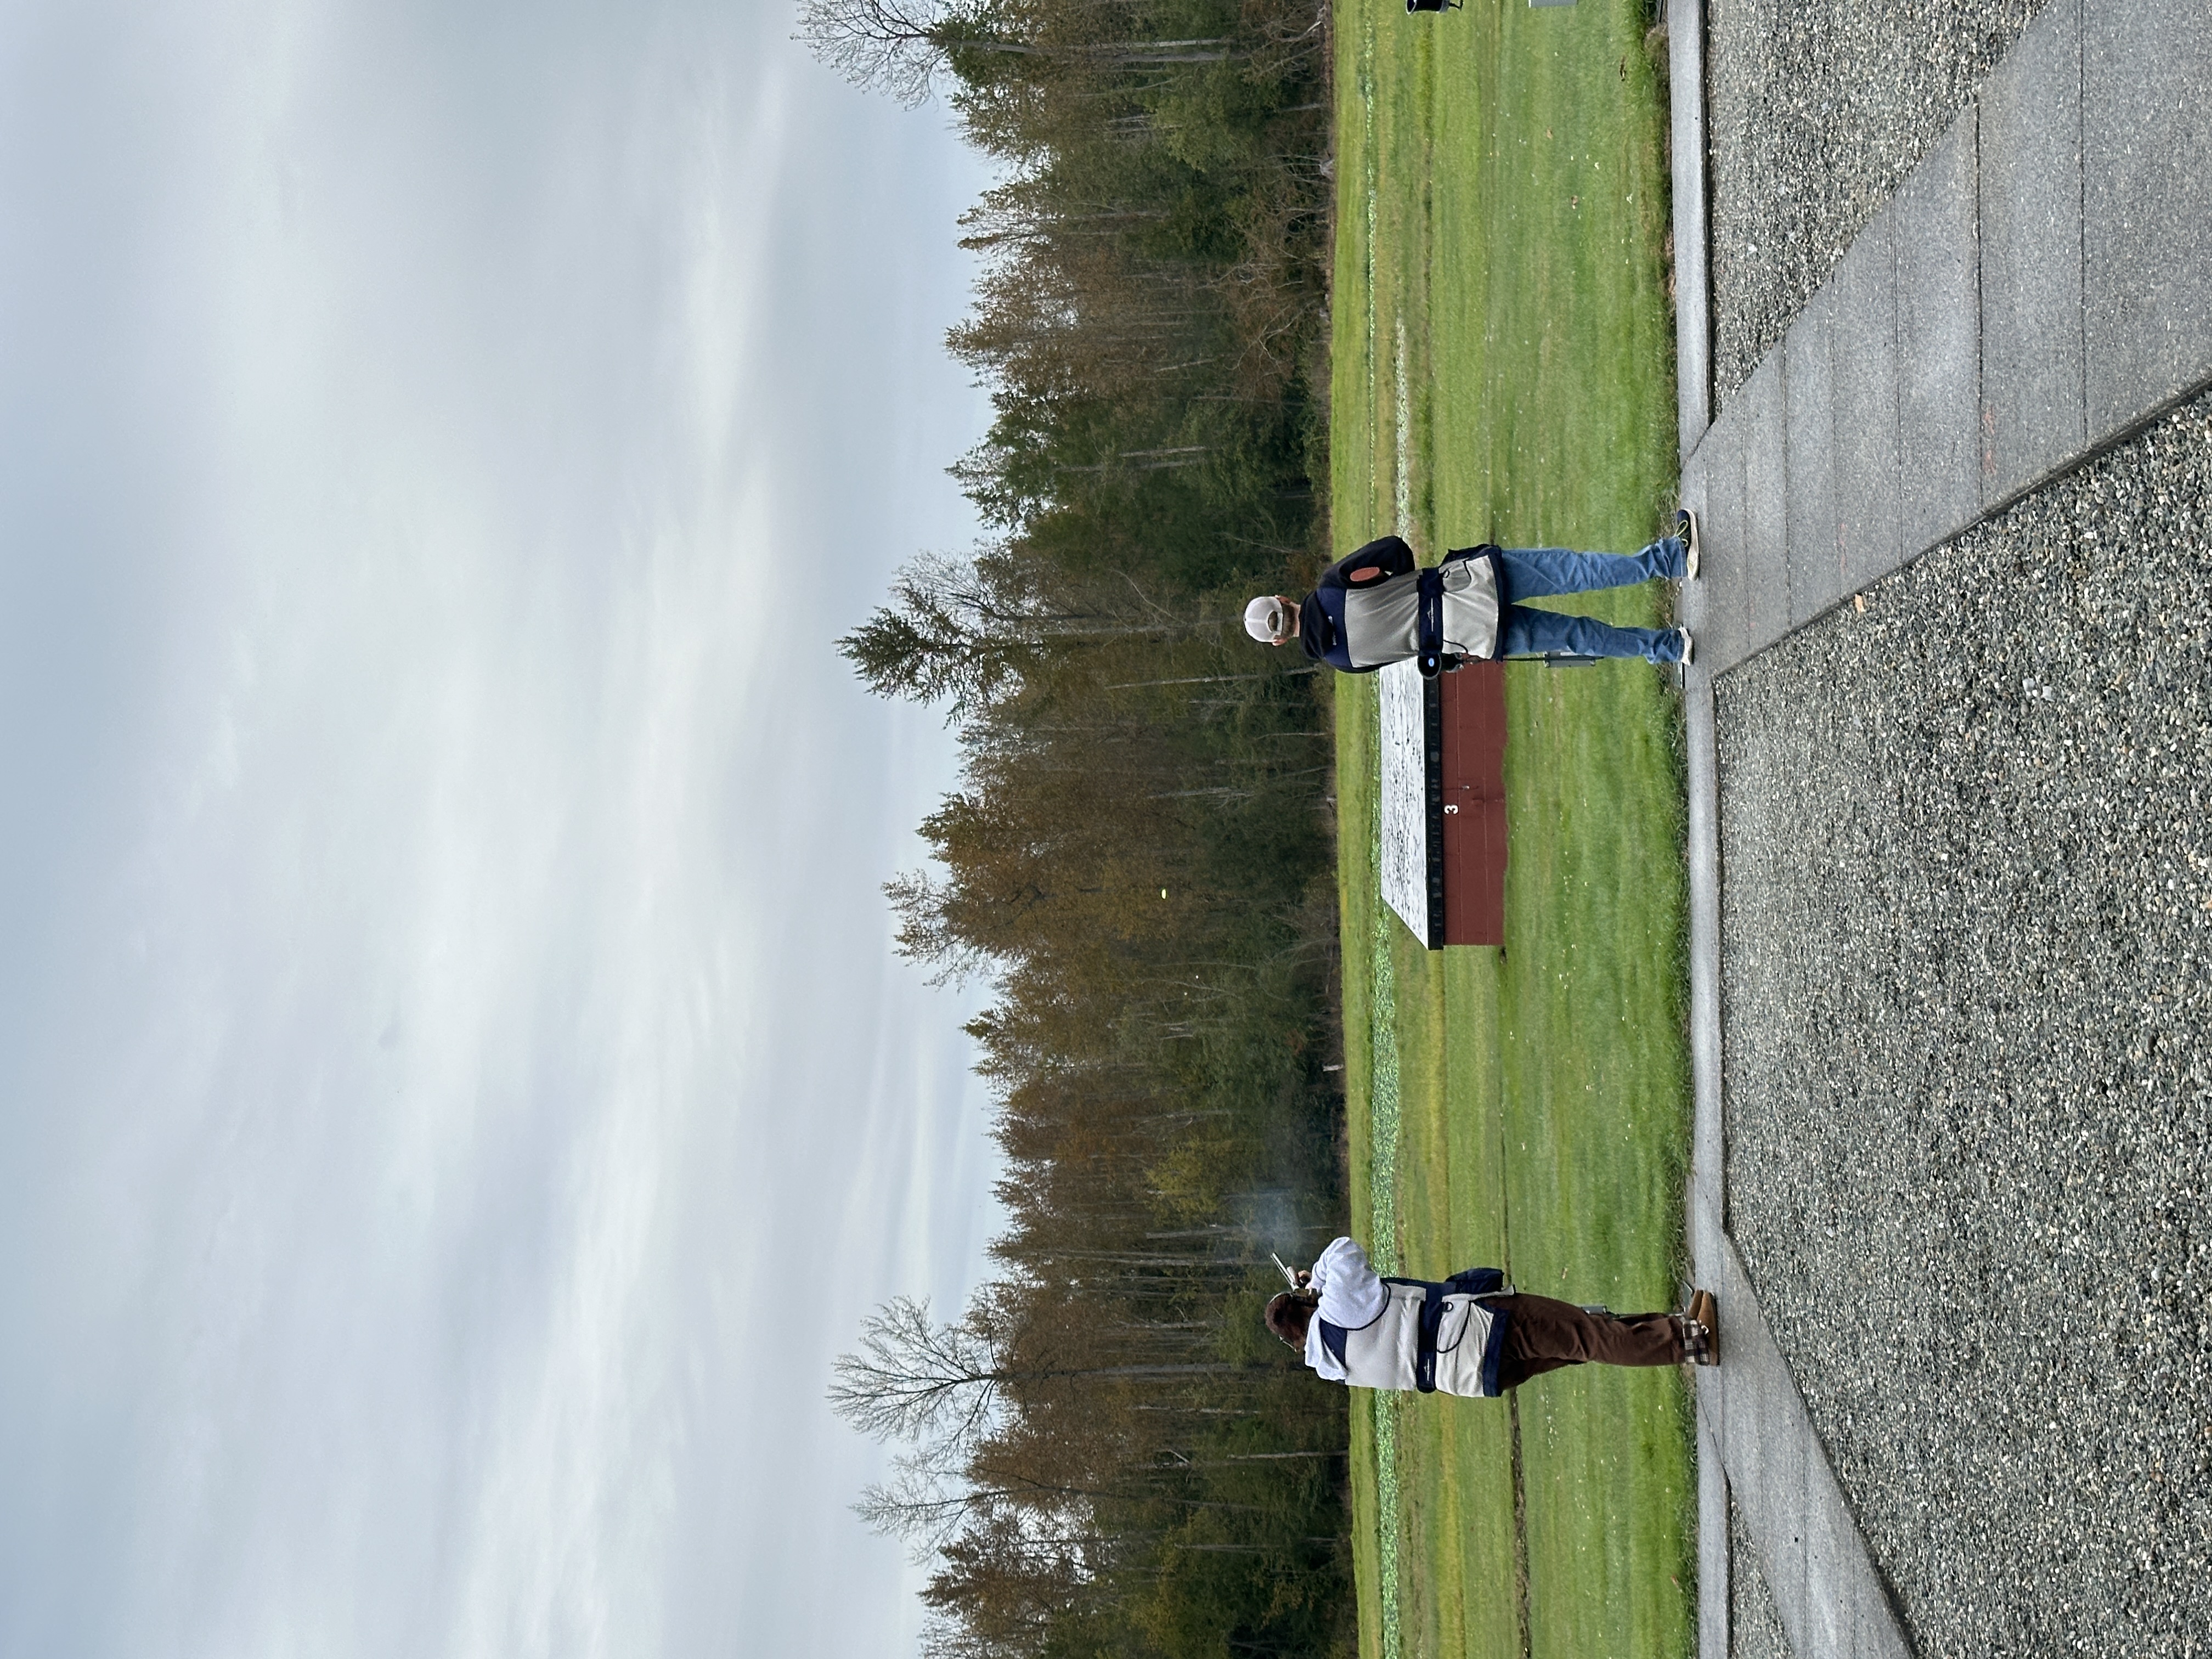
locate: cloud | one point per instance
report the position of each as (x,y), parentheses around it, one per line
(458,1091)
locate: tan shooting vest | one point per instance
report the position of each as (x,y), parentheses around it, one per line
(1389,1351)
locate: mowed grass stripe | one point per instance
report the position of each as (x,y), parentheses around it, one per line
(1502,203)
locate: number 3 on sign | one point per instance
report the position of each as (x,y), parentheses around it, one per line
(1451,809)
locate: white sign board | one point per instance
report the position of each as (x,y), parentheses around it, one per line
(1409,862)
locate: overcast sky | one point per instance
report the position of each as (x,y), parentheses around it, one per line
(456,1093)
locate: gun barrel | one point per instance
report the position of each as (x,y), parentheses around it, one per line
(1284,1268)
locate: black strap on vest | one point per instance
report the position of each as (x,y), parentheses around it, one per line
(1432,1326)
(1429,622)
(1424,1353)
(1332,1338)
(1431,654)
(1472,1281)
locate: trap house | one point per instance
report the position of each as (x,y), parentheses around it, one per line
(1443,802)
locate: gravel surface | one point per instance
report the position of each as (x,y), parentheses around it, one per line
(1754,1629)
(1815,112)
(1967,987)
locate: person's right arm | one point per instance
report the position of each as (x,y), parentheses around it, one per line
(1351,1294)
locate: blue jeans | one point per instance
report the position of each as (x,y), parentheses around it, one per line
(1533,572)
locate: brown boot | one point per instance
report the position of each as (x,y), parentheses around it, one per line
(1704,1315)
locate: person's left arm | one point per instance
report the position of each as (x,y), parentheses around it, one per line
(1367,567)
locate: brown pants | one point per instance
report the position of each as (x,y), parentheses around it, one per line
(1541,1335)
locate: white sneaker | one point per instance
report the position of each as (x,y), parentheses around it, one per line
(1685,526)
(1689,646)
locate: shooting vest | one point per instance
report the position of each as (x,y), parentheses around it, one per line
(1429,1339)
(1371,627)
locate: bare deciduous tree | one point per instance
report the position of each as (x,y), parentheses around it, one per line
(894,47)
(917,1381)
(899,46)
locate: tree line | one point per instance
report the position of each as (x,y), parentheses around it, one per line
(1103,1454)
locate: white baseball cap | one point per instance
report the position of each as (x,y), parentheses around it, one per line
(1267,619)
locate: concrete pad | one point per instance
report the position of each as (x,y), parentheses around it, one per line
(1765,1475)
(1763,1445)
(1831,1609)
(1708,1166)
(1690,601)
(1847,1609)
(1686,70)
(1816,568)
(1863,353)
(1710,1404)
(1708,1240)
(1712,1549)
(1720,590)
(2033,415)
(1939,343)
(1759,414)
(1830,1629)
(1827,1593)
(2147,200)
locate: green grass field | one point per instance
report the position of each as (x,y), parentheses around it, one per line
(1503,371)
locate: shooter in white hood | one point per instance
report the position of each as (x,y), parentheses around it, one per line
(1469,1334)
